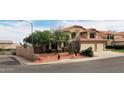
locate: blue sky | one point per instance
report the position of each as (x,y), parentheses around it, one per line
(16,31)
(114,25)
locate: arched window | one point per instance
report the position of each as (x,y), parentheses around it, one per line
(92,35)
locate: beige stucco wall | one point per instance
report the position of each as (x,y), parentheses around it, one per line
(27,52)
(96,46)
(83,35)
(109,42)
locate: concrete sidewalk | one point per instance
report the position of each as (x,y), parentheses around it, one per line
(97,55)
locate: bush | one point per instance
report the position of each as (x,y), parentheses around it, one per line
(7,49)
(88,52)
(115,47)
(49,51)
(2,49)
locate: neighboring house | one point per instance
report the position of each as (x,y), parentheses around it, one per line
(109,36)
(87,37)
(114,38)
(7,44)
(12,46)
(118,39)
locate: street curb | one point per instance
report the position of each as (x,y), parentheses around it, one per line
(21,60)
(71,61)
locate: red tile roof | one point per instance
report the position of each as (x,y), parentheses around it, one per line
(107,32)
(93,40)
(73,26)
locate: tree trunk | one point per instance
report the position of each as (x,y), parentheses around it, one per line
(44,48)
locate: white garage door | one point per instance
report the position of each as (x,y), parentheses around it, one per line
(85,46)
(100,47)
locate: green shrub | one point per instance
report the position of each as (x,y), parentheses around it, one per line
(88,52)
(1,49)
(115,47)
(49,51)
(7,49)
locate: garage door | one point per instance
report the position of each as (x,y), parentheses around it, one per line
(100,47)
(85,46)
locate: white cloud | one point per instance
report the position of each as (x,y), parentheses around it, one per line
(16,31)
(115,25)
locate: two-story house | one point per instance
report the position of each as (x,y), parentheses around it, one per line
(87,37)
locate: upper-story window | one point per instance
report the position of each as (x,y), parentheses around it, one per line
(92,35)
(73,35)
(110,37)
(81,34)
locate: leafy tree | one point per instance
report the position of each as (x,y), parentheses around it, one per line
(43,39)
(40,39)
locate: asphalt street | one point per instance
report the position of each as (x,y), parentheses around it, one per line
(108,65)
(8,61)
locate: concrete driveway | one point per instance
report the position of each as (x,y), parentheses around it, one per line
(8,60)
(107,54)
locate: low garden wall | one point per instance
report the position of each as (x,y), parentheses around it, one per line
(25,52)
(5,52)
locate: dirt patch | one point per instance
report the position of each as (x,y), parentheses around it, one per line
(54,57)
